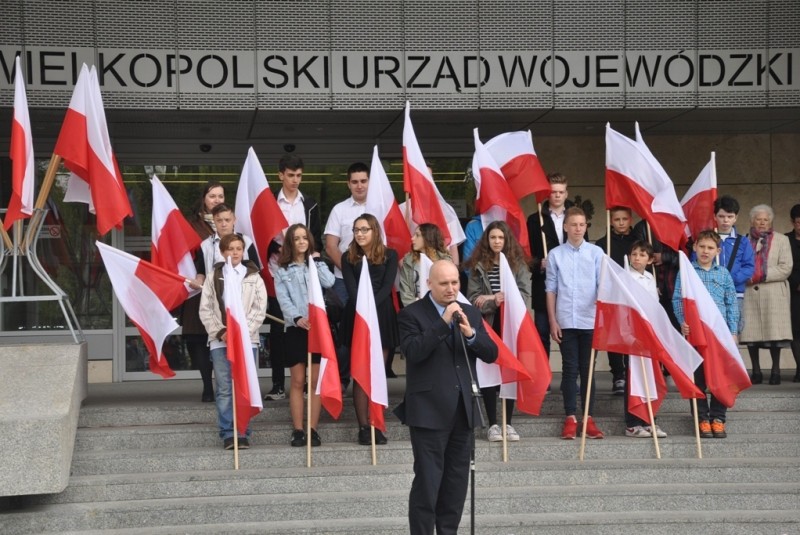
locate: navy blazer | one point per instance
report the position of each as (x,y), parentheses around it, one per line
(436,372)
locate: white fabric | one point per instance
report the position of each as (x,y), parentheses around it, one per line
(22,117)
(646,281)
(365,307)
(163,206)
(294,212)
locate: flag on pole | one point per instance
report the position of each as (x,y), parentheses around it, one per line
(637,395)
(726,375)
(366,353)
(147,293)
(427,204)
(629,320)
(520,334)
(258,214)
(457,235)
(173,240)
(239,350)
(514,153)
(382,204)
(698,203)
(635,179)
(495,200)
(320,340)
(20,206)
(424,270)
(85,147)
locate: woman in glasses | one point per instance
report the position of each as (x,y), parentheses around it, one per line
(368,242)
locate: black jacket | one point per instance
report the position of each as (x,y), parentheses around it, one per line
(313,222)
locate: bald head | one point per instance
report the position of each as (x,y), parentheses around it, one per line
(443,282)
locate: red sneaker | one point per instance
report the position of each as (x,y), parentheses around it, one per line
(591,429)
(570,429)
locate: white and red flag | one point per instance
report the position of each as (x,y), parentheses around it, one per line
(85,147)
(635,179)
(724,370)
(366,352)
(239,350)
(631,321)
(173,240)
(147,293)
(382,204)
(638,393)
(20,205)
(320,340)
(495,200)
(258,214)
(514,153)
(427,204)
(698,203)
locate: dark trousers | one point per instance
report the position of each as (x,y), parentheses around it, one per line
(441,476)
(617,363)
(543,326)
(197,347)
(576,350)
(717,410)
(276,344)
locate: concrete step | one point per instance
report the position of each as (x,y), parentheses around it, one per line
(142,486)
(278,432)
(641,498)
(399,452)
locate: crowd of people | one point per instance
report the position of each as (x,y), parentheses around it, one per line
(754,279)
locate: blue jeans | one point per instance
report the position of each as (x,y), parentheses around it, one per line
(223,398)
(576,350)
(740,327)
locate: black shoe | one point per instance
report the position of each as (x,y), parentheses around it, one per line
(227,444)
(618,387)
(756,378)
(315,439)
(298,438)
(775,378)
(244,444)
(364,436)
(275,394)
(390,374)
(380,438)
(796,377)
(207,398)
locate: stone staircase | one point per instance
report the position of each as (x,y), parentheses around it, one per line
(147,460)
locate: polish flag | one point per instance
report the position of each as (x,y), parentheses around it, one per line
(320,340)
(366,353)
(173,239)
(427,204)
(20,206)
(147,293)
(495,200)
(698,203)
(635,179)
(424,271)
(382,204)
(85,147)
(239,350)
(629,320)
(457,235)
(258,214)
(514,153)
(656,386)
(725,372)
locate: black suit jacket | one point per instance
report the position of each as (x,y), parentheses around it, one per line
(436,372)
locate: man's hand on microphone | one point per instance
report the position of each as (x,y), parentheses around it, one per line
(463,323)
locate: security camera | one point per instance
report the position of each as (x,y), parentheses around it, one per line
(289,147)
(205,147)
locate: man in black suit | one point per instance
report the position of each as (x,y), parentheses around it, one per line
(438,400)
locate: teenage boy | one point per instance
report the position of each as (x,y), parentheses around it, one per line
(573,272)
(720,285)
(209,253)
(296,208)
(734,253)
(621,241)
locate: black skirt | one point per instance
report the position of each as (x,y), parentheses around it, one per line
(296,348)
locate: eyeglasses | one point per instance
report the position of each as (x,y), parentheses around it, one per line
(362,230)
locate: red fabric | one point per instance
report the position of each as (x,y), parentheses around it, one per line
(320,341)
(167,285)
(425,207)
(237,353)
(176,239)
(18,151)
(699,211)
(398,237)
(157,361)
(495,191)
(361,367)
(531,354)
(638,406)
(511,369)
(525,176)
(267,222)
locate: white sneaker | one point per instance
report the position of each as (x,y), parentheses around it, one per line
(511,434)
(494,434)
(660,433)
(637,432)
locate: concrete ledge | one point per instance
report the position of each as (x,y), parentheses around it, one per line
(41,390)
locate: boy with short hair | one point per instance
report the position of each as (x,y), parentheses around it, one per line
(621,240)
(573,273)
(720,285)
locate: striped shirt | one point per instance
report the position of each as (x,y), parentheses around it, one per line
(494,278)
(719,283)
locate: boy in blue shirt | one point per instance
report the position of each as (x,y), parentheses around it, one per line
(720,285)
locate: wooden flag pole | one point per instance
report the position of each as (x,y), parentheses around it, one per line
(505,435)
(6,237)
(308,412)
(541,229)
(586,405)
(374,450)
(235,430)
(277,320)
(47,185)
(650,409)
(697,426)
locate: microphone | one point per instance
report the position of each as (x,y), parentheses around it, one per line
(457,318)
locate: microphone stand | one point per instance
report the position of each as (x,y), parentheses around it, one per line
(477,399)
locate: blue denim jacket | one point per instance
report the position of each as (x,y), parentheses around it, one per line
(291,289)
